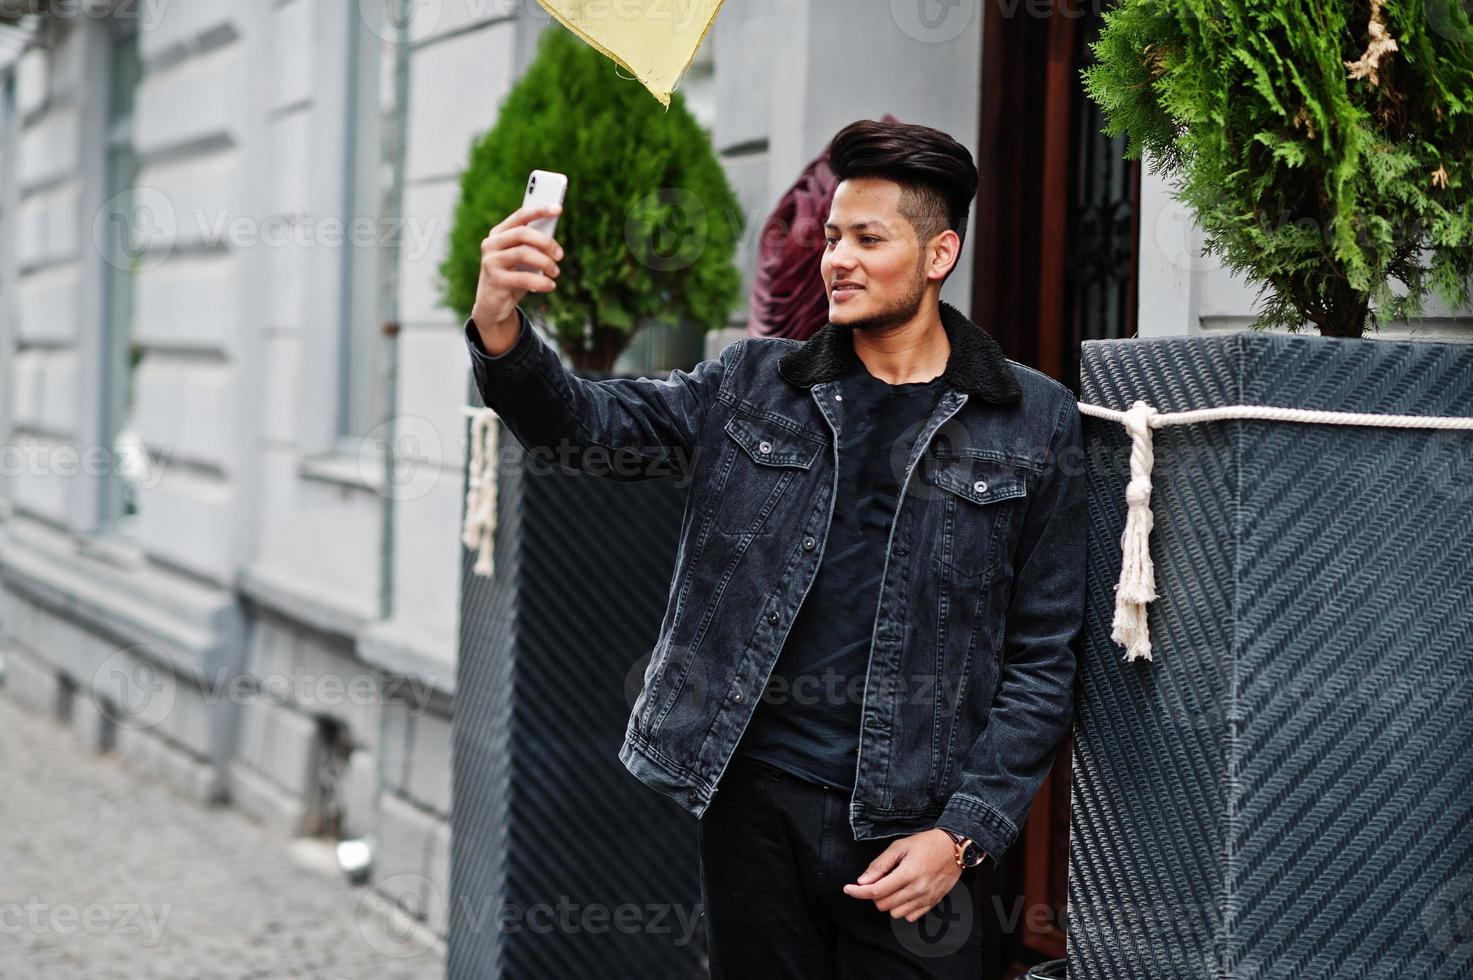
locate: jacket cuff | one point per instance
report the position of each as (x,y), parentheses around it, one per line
(505,370)
(993,832)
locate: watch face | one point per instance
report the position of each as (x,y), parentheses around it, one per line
(973,855)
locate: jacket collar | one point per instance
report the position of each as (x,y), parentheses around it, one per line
(976,365)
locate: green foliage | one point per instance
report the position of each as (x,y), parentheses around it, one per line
(649,225)
(1325,183)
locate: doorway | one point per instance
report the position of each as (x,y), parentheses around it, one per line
(1055,265)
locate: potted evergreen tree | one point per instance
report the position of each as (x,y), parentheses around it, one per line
(582,565)
(1285,787)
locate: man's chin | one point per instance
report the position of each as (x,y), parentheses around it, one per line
(844,312)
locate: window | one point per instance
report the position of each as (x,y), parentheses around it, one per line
(362,362)
(118,500)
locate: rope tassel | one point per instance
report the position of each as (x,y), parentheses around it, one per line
(480,490)
(1137,584)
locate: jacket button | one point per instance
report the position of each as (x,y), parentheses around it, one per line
(693,797)
(772,618)
(808,544)
(980,486)
(765,447)
(737,696)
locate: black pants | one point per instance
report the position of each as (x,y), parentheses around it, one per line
(776,851)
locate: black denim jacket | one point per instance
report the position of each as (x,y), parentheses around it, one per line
(969,686)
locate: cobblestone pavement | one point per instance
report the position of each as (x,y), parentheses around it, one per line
(106,872)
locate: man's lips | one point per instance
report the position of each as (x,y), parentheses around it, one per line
(846,287)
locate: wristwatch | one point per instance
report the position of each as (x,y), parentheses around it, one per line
(969,853)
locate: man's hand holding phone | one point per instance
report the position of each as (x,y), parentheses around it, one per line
(512,243)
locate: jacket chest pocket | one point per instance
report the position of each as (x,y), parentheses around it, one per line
(982,501)
(765,459)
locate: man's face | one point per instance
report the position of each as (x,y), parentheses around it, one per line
(867,241)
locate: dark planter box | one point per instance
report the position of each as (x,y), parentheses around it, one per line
(1286,790)
(544,812)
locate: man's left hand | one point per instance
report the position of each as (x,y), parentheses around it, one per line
(910,876)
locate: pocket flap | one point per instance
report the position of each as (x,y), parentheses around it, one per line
(771,443)
(982,481)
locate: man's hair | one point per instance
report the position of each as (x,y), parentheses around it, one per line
(936,174)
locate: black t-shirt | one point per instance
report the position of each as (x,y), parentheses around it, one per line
(808,718)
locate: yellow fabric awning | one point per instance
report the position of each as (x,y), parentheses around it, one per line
(656,40)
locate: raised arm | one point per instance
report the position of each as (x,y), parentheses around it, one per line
(621,428)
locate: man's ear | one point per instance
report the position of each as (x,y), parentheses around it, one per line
(944,253)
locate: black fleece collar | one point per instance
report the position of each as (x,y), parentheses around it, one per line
(977,364)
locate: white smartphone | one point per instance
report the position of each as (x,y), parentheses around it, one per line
(544,187)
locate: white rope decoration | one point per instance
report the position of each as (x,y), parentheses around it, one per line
(1137,585)
(480,490)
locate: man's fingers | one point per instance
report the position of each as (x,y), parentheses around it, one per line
(509,258)
(881,879)
(882,865)
(503,240)
(906,895)
(526,213)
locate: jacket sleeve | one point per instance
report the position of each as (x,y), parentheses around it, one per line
(1034,704)
(620,428)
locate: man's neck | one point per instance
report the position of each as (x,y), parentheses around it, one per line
(917,350)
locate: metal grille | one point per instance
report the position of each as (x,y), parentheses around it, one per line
(1286,791)
(1103,217)
(544,810)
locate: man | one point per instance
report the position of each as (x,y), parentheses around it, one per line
(869,653)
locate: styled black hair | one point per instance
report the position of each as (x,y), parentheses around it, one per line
(936,174)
